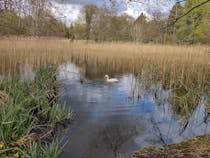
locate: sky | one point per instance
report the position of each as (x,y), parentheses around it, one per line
(69,10)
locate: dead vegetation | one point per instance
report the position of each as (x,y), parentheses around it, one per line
(197,147)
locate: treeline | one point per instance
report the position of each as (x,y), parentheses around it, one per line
(30,18)
(34,18)
(101,24)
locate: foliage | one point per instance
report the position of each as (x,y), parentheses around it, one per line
(195,26)
(10,23)
(103,25)
(33,19)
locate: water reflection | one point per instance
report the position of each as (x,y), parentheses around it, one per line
(127,104)
(112,137)
(26,72)
(115,119)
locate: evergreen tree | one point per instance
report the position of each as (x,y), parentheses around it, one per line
(196,25)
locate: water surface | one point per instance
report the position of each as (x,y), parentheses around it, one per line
(115,119)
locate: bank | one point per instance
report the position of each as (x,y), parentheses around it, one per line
(198,147)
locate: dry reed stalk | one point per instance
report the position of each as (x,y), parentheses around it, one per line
(4,99)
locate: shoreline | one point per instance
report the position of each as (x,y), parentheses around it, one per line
(198,147)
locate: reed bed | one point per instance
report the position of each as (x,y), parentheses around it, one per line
(183,69)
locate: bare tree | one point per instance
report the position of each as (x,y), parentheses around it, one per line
(139,29)
(29,17)
(89,11)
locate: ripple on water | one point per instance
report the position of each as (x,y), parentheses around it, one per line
(113,118)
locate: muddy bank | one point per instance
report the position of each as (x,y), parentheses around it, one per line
(196,147)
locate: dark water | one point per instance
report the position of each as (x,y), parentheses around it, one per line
(114,119)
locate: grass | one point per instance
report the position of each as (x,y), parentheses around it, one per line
(29,115)
(47,151)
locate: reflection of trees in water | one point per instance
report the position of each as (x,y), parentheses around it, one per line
(196,120)
(158,132)
(113,137)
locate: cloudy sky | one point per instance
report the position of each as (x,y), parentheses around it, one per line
(69,10)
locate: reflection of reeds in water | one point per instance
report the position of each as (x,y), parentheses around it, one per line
(184,69)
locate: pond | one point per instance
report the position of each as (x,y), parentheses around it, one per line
(115,119)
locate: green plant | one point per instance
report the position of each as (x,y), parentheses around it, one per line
(27,111)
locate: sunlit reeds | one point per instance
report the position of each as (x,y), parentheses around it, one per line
(183,69)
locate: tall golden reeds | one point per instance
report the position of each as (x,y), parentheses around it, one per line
(185,69)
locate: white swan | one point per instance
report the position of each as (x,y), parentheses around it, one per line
(110,79)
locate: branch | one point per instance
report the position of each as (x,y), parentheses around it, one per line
(136,1)
(181,1)
(178,18)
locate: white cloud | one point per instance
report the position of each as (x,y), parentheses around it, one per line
(132,12)
(149,7)
(135,9)
(67,13)
(69,10)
